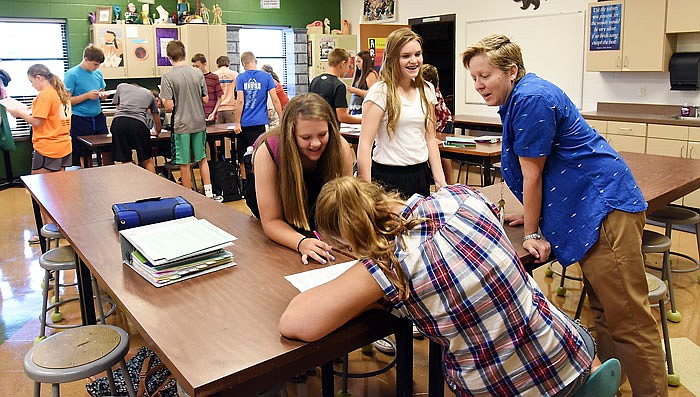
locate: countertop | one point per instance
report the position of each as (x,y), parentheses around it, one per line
(648,118)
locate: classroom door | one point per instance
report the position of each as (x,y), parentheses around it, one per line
(438,33)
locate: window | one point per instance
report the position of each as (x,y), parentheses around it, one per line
(42,41)
(273,46)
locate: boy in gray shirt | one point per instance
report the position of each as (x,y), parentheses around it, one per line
(130,127)
(183,92)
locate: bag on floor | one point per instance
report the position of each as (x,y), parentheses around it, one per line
(151,210)
(158,381)
(226,179)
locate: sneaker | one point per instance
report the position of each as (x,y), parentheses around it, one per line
(218,198)
(385,346)
(33,240)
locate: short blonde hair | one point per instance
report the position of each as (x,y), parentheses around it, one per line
(500,52)
(248,57)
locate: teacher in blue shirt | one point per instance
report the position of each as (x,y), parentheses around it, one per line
(580,202)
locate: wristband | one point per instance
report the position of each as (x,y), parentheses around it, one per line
(299,243)
(532,236)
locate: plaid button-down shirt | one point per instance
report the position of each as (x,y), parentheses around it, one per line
(470,294)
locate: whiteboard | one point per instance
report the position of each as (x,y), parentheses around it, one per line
(552,47)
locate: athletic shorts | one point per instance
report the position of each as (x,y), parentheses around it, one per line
(130,134)
(40,161)
(246,138)
(188,148)
(79,126)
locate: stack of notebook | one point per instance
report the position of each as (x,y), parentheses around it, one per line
(167,252)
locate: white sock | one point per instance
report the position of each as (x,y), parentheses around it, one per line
(207,191)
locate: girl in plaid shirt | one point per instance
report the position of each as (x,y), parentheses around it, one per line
(444,261)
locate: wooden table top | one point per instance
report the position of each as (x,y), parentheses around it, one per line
(101,140)
(481,149)
(214,331)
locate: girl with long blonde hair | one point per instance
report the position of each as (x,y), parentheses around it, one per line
(445,262)
(397,146)
(290,165)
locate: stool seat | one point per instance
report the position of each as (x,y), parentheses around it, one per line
(675,215)
(655,242)
(76,354)
(61,258)
(50,230)
(657,288)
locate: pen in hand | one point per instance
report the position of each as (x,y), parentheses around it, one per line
(318,237)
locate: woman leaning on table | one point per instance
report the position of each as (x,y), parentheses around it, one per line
(580,201)
(290,165)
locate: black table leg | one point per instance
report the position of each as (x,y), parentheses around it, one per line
(39,224)
(486,166)
(87,306)
(404,359)
(327,380)
(436,382)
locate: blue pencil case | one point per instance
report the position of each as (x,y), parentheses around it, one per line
(151,210)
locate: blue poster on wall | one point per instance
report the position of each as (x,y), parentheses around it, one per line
(606,24)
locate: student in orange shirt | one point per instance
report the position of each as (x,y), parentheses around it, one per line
(50,121)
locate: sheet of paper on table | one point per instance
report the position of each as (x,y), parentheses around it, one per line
(306,280)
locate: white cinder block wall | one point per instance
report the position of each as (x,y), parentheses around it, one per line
(627,87)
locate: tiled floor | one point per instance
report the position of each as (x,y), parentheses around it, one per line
(20,303)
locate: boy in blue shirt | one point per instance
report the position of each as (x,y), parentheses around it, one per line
(252,88)
(84,83)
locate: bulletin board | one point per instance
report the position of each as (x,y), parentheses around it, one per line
(552,46)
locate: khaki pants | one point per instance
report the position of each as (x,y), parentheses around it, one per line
(613,271)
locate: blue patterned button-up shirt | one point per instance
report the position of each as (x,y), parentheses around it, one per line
(470,294)
(583,179)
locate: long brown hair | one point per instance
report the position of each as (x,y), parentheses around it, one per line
(391,74)
(359,79)
(42,70)
(365,216)
(295,205)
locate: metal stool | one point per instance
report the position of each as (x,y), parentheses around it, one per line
(345,373)
(657,293)
(51,233)
(653,242)
(54,261)
(561,289)
(78,354)
(670,216)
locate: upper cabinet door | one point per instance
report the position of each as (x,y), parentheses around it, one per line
(604,36)
(683,16)
(645,45)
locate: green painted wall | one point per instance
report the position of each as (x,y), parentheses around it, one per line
(295,13)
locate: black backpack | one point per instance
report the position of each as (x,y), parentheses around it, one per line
(226,179)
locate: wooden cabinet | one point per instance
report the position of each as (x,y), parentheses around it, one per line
(110,38)
(209,40)
(638,41)
(668,140)
(627,137)
(599,125)
(683,16)
(693,199)
(140,51)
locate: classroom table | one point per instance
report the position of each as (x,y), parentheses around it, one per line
(217,332)
(484,154)
(483,123)
(102,143)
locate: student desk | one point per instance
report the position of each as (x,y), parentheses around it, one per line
(217,332)
(102,143)
(483,154)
